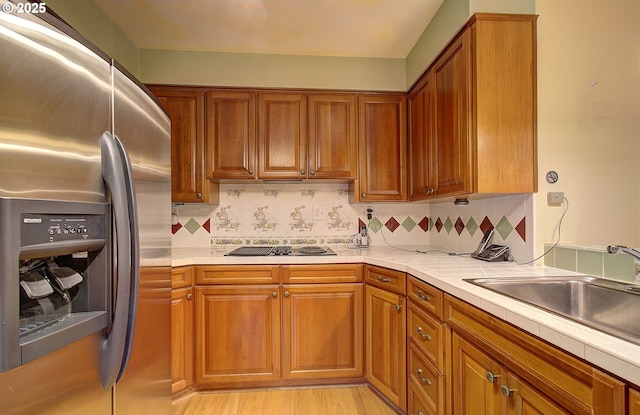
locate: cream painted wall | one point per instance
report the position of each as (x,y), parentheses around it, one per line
(87,18)
(589,120)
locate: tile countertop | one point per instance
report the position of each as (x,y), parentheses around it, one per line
(446,272)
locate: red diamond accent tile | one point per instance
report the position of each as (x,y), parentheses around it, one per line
(175,228)
(424,224)
(361,223)
(459,226)
(486,225)
(207,226)
(438,224)
(522,229)
(392,224)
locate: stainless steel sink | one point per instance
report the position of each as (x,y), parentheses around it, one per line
(610,306)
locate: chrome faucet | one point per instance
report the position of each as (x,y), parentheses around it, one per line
(635,254)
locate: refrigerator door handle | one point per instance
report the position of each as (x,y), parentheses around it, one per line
(118,177)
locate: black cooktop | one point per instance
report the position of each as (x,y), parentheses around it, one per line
(309,250)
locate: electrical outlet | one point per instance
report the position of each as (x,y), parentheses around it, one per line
(555,198)
(363,211)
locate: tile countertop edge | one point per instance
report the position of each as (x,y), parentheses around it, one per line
(447,272)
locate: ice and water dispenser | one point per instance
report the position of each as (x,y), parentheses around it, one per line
(55,284)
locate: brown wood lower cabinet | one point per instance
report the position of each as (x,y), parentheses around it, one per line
(322,330)
(251,335)
(182,333)
(386,343)
(498,369)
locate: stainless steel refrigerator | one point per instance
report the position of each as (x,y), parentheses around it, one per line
(85,240)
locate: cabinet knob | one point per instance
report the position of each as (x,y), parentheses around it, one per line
(364,195)
(189,296)
(301,171)
(423,335)
(425,297)
(286,293)
(312,172)
(492,377)
(274,294)
(250,171)
(398,307)
(199,195)
(506,391)
(423,379)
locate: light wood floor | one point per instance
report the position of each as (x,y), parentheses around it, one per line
(343,400)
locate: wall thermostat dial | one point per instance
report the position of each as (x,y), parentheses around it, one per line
(552,177)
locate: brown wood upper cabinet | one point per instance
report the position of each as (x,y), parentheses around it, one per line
(282,136)
(231,134)
(382,149)
(185,107)
(333,140)
(473,112)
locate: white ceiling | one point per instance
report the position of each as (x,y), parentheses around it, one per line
(357,28)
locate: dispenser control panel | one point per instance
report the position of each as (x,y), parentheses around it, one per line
(44,228)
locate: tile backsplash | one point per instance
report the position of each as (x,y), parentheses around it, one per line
(310,213)
(591,261)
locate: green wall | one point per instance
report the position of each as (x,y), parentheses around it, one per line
(87,18)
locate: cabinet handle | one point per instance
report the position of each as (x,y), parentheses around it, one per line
(425,297)
(274,294)
(492,377)
(286,294)
(398,307)
(189,296)
(423,335)
(312,172)
(364,195)
(381,279)
(424,380)
(506,391)
(301,171)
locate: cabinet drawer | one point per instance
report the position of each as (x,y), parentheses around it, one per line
(385,278)
(182,277)
(427,334)
(238,274)
(423,376)
(321,274)
(428,297)
(418,403)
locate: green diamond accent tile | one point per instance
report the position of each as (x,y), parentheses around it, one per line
(375,225)
(192,226)
(471,226)
(409,224)
(448,225)
(504,228)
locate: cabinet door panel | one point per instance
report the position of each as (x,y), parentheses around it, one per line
(320,344)
(451,144)
(525,400)
(231,135)
(186,111)
(385,344)
(237,335)
(421,163)
(282,136)
(472,391)
(382,146)
(181,339)
(332,137)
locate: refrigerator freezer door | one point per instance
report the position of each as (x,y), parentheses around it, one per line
(54,106)
(144,129)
